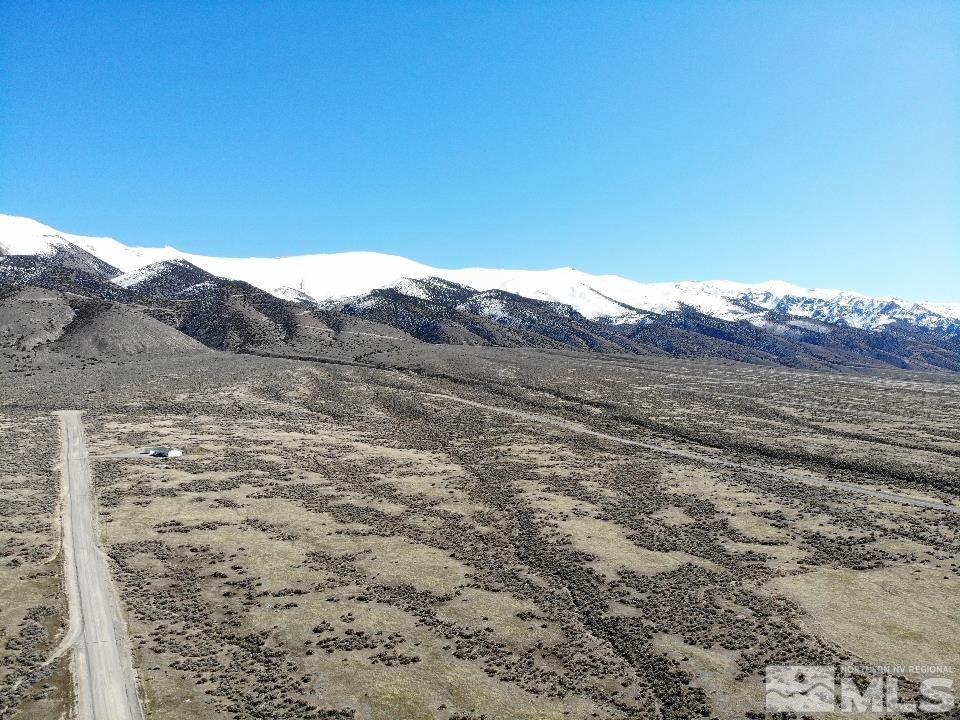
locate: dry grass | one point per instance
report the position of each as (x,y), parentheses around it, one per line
(335,543)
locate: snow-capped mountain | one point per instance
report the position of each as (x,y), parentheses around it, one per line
(332,278)
(24,236)
(167,278)
(849,308)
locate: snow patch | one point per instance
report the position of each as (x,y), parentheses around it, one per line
(293,295)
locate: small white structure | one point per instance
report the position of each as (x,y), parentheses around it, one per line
(162,451)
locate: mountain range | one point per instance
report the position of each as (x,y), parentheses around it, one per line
(312,304)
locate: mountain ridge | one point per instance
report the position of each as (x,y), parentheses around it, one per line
(334,276)
(773,321)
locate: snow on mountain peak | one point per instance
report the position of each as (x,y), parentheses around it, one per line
(152,271)
(24,236)
(328,277)
(950,310)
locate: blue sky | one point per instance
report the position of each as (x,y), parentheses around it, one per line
(813,142)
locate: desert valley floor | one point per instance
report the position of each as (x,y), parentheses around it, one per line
(465,533)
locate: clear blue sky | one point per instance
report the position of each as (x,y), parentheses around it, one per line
(814,142)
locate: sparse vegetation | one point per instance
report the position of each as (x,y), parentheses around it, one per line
(352,542)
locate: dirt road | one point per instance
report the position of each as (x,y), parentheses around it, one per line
(102,666)
(709,459)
